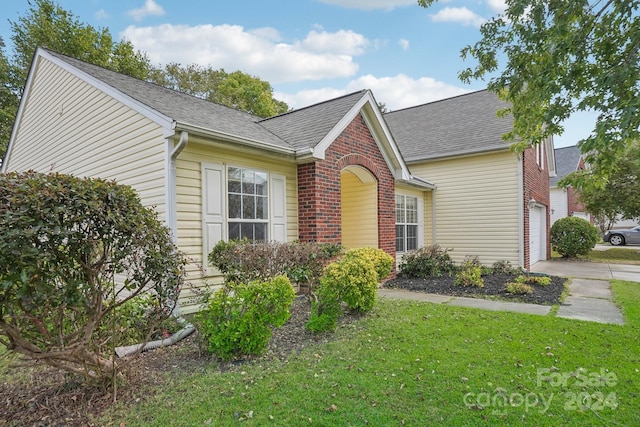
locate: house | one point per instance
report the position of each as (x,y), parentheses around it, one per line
(565,201)
(489,202)
(331,172)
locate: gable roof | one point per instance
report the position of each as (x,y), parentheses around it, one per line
(567,161)
(465,124)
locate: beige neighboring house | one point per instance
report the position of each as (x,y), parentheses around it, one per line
(489,202)
(336,171)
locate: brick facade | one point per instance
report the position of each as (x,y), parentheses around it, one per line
(319,188)
(535,186)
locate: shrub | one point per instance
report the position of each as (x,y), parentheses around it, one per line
(518,288)
(382,261)
(426,262)
(533,279)
(470,274)
(573,236)
(351,280)
(239,318)
(245,261)
(504,267)
(62,241)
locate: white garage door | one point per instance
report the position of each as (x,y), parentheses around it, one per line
(537,238)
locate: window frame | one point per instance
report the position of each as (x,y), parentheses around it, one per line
(417,226)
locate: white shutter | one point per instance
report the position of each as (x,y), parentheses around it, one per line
(278,206)
(213,207)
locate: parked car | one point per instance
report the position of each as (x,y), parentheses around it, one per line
(623,237)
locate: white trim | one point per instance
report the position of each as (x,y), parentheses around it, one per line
(519,174)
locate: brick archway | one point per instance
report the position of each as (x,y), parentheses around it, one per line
(319,192)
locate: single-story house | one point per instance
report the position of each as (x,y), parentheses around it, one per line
(331,172)
(565,201)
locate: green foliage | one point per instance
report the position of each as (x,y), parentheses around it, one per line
(428,261)
(519,288)
(573,236)
(236,90)
(245,261)
(533,279)
(617,195)
(352,280)
(63,240)
(564,57)
(470,273)
(8,100)
(382,261)
(239,318)
(504,267)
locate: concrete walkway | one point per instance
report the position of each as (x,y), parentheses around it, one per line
(589,297)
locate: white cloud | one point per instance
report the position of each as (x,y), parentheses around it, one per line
(150,8)
(320,55)
(461,15)
(101,14)
(404,43)
(395,92)
(370,4)
(498,6)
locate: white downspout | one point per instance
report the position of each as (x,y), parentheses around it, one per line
(434,226)
(520,213)
(172,215)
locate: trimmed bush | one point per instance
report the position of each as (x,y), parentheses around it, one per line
(239,318)
(573,236)
(382,261)
(428,261)
(470,273)
(519,288)
(533,279)
(63,240)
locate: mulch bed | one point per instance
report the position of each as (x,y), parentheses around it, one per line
(494,287)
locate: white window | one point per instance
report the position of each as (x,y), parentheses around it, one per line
(540,152)
(407,224)
(240,202)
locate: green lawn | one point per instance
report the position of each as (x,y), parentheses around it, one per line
(620,255)
(421,364)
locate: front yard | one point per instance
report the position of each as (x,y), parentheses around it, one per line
(406,363)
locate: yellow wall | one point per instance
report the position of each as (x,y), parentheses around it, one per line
(476,205)
(359,202)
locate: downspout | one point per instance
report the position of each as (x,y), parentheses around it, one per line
(172,215)
(520,213)
(434,226)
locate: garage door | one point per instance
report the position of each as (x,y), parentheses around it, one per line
(536,236)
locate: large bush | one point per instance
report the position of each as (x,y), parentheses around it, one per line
(239,318)
(573,236)
(73,252)
(245,260)
(382,261)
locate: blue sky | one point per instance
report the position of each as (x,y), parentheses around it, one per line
(309,50)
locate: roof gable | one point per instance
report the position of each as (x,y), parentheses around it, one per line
(567,161)
(465,124)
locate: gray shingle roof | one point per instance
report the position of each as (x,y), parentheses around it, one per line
(307,126)
(460,125)
(567,161)
(180,107)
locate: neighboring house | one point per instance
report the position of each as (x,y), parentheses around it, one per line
(330,172)
(565,201)
(489,201)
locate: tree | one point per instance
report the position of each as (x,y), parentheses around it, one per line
(236,90)
(612,196)
(8,100)
(563,57)
(73,252)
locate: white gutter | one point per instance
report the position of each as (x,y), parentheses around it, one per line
(520,213)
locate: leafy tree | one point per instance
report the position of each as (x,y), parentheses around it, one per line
(614,195)
(8,100)
(563,57)
(73,253)
(236,90)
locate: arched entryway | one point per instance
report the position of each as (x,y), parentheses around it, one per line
(359,207)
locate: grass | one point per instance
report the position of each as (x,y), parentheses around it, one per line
(613,255)
(411,363)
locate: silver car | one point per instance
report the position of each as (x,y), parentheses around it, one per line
(623,237)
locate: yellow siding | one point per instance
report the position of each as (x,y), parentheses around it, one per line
(359,212)
(189,206)
(476,206)
(69,126)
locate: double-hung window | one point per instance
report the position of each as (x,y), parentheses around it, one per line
(248,204)
(406,223)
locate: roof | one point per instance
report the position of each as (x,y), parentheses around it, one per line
(567,161)
(465,124)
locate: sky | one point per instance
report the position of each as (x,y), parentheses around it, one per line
(308,50)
